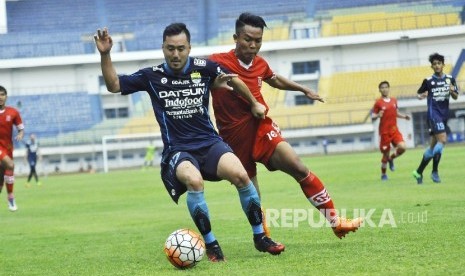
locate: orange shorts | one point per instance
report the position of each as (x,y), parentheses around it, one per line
(4,152)
(386,139)
(254,143)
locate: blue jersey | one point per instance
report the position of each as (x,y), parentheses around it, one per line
(438,96)
(180,102)
(32,148)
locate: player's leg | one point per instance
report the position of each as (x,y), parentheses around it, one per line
(427,155)
(385,149)
(285,159)
(31,173)
(441,139)
(230,168)
(266,227)
(9,166)
(180,173)
(399,148)
(2,180)
(384,162)
(188,174)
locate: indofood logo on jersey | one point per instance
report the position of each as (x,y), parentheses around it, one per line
(183,98)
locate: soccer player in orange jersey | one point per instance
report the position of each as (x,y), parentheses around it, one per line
(259,140)
(8,117)
(386,109)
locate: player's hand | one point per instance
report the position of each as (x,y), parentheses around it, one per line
(407,117)
(313,96)
(380,113)
(103,41)
(422,95)
(258,110)
(19,137)
(222,81)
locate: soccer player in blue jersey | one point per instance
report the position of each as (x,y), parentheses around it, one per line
(193,151)
(32,155)
(437,89)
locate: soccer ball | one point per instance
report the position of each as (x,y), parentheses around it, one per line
(184,248)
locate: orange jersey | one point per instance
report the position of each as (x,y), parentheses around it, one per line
(388,122)
(252,140)
(9,117)
(232,118)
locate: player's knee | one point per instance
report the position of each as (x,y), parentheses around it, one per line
(9,179)
(194,183)
(9,164)
(240,178)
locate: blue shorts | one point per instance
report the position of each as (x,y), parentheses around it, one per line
(204,159)
(437,126)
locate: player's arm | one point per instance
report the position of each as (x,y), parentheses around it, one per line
(104,43)
(283,83)
(423,90)
(454,93)
(376,112)
(403,116)
(20,134)
(232,82)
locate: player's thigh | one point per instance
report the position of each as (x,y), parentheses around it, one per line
(188,174)
(7,162)
(398,140)
(441,137)
(285,159)
(230,168)
(385,143)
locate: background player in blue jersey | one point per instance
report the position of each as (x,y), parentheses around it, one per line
(437,89)
(193,150)
(32,156)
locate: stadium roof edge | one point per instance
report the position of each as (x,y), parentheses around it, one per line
(268,46)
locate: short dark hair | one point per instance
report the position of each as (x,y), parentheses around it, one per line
(175,29)
(3,89)
(248,18)
(383,82)
(436,56)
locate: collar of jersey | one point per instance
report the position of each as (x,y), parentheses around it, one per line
(184,70)
(439,78)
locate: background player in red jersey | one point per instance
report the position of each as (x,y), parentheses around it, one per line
(259,140)
(8,117)
(386,109)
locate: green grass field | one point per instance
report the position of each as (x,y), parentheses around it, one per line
(116,223)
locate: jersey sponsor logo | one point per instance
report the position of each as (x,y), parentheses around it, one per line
(8,118)
(180,82)
(157,68)
(259,81)
(200,62)
(183,103)
(182,92)
(164,80)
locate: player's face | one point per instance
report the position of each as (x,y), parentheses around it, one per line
(248,43)
(437,66)
(3,97)
(384,89)
(176,50)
